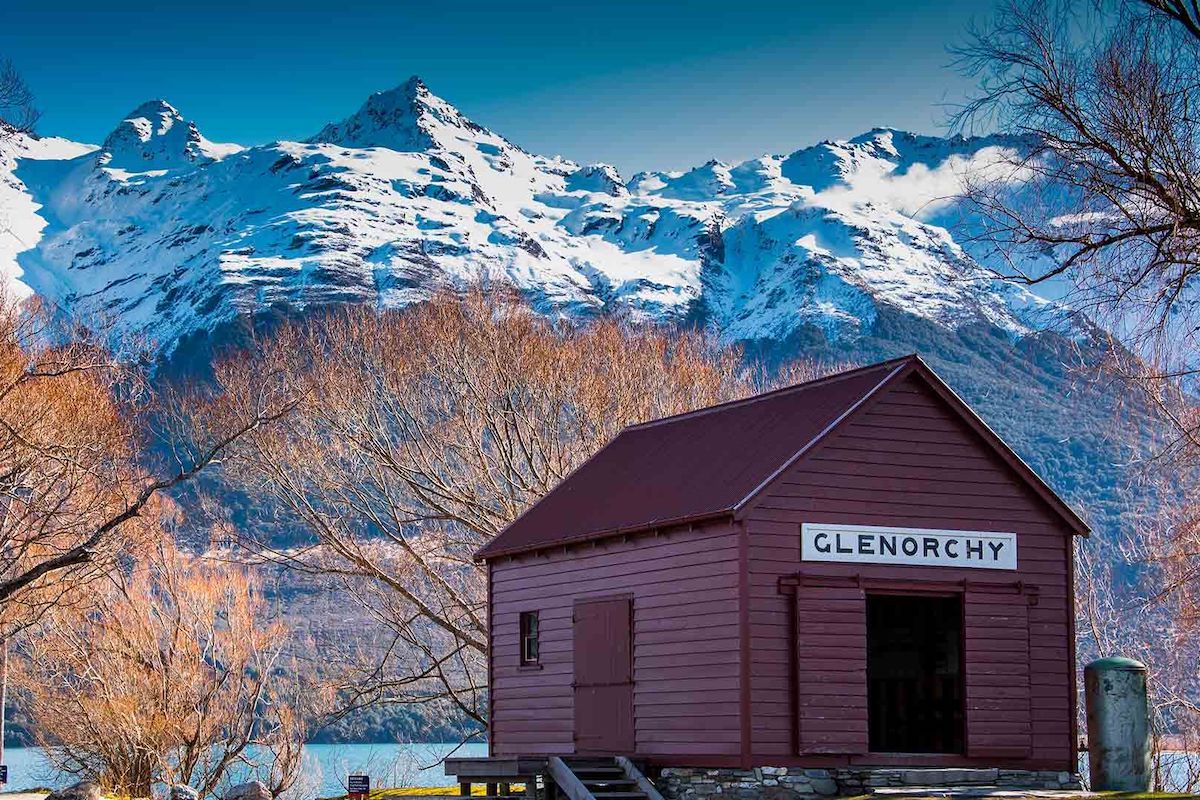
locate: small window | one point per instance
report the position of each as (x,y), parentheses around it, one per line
(529,637)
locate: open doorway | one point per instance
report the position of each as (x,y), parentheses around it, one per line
(914,673)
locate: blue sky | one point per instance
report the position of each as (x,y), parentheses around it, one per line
(643,85)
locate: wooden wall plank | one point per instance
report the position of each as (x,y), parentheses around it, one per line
(908,461)
(683,587)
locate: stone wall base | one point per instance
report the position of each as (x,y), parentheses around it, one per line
(797,783)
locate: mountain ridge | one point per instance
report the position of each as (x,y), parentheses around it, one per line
(843,250)
(169,234)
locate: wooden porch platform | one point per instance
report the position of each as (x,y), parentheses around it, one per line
(498,774)
(568,777)
(498,767)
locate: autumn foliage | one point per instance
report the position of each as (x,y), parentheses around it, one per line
(67,463)
(420,434)
(172,671)
(135,662)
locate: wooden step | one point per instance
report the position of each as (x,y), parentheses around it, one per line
(608,782)
(619,795)
(598,771)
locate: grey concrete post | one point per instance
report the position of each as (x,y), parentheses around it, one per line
(1118,725)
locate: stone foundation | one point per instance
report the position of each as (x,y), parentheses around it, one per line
(797,783)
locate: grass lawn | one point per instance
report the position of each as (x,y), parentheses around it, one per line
(477,789)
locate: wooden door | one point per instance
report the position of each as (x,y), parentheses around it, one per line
(997,671)
(831,679)
(603,649)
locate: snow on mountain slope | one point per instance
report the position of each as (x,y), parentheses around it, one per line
(156,137)
(20,221)
(170,234)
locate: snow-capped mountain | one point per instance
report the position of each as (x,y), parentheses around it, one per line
(841,250)
(169,234)
(154,137)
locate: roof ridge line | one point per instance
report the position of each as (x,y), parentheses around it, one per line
(795,387)
(1004,449)
(899,366)
(483,552)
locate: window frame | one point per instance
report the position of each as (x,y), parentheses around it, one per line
(529,633)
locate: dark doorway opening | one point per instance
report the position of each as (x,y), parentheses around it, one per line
(914,674)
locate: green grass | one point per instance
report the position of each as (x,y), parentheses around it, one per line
(477,789)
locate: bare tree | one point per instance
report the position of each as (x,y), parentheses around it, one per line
(1102,199)
(75,471)
(1124,607)
(1185,12)
(18,114)
(1104,101)
(172,672)
(422,433)
(1105,196)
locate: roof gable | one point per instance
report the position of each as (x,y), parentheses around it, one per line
(992,440)
(717,461)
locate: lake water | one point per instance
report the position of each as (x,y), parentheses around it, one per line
(325,770)
(327,765)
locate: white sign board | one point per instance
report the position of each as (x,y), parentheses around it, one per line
(874,544)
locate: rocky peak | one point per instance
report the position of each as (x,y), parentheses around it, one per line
(881,140)
(156,136)
(602,178)
(705,182)
(408,118)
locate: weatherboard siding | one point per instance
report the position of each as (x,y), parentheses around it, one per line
(717,631)
(684,585)
(908,460)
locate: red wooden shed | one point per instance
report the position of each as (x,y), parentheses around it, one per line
(851,571)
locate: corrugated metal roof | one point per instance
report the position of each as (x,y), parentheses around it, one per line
(692,466)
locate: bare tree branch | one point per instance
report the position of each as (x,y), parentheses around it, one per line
(421,434)
(175,672)
(84,551)
(18,114)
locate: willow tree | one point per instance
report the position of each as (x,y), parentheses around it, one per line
(174,671)
(419,434)
(77,459)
